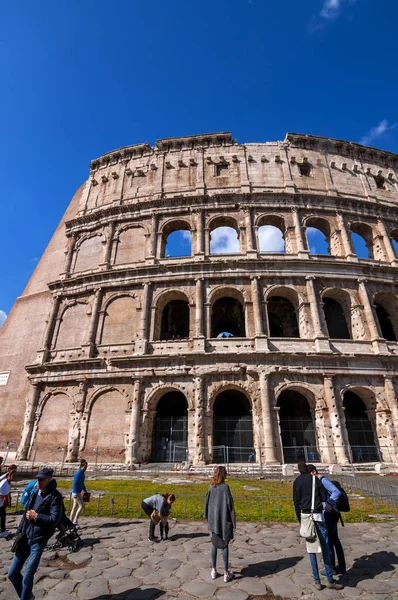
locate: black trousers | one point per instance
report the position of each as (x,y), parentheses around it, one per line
(2,518)
(148,511)
(332,522)
(164,528)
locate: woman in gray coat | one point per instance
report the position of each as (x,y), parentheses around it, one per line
(220,515)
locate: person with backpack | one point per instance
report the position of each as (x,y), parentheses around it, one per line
(338,500)
(309,497)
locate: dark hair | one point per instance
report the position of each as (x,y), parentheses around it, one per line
(12,468)
(169,497)
(83,462)
(311,468)
(219,476)
(302,467)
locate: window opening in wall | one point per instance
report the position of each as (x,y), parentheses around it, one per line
(380,182)
(387,328)
(232,427)
(170,429)
(271,239)
(227,318)
(297,428)
(220,169)
(362,239)
(318,242)
(394,239)
(282,318)
(360,430)
(304,168)
(175,320)
(224,240)
(335,319)
(178,243)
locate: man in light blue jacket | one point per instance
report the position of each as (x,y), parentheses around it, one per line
(78,487)
(332,521)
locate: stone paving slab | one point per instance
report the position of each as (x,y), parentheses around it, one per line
(118,562)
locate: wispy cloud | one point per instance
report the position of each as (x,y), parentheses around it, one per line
(224,240)
(3,317)
(330,10)
(376,132)
(270,239)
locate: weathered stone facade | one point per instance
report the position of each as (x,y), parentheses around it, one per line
(86,344)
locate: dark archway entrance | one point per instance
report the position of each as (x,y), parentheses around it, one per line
(232,427)
(387,329)
(360,431)
(297,428)
(170,429)
(175,320)
(282,318)
(335,319)
(227,317)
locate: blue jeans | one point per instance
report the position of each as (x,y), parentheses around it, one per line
(323,539)
(31,554)
(332,522)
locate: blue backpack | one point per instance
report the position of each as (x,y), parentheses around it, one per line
(27,493)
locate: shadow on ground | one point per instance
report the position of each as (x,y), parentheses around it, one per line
(267,567)
(133,594)
(368,566)
(180,536)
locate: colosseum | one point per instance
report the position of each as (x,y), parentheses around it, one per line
(120,349)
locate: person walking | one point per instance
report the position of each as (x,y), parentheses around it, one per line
(38,525)
(220,514)
(332,521)
(78,488)
(309,497)
(156,507)
(5,483)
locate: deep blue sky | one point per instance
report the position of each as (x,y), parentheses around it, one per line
(80,78)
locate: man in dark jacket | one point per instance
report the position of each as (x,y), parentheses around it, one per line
(39,522)
(302,498)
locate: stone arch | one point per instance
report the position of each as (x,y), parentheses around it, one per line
(154,395)
(225,386)
(172,226)
(394,240)
(365,232)
(224,242)
(386,308)
(268,240)
(227,312)
(282,304)
(106,420)
(322,225)
(52,425)
(360,414)
(129,244)
(170,427)
(178,305)
(72,324)
(337,306)
(119,319)
(88,252)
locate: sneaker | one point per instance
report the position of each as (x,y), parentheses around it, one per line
(333,585)
(214,574)
(318,585)
(228,576)
(151,539)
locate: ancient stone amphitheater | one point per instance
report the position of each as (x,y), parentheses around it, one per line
(239,350)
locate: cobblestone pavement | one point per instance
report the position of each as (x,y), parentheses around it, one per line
(119,562)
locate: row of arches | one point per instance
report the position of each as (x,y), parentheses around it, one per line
(233,422)
(272,234)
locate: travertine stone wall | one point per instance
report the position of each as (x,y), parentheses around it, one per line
(87,365)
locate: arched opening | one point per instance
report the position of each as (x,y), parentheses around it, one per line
(88,254)
(130,246)
(394,239)
(318,236)
(335,319)
(362,239)
(386,326)
(297,428)
(120,321)
(224,240)
(175,320)
(227,318)
(170,429)
(232,427)
(271,239)
(282,319)
(178,244)
(360,431)
(53,428)
(108,425)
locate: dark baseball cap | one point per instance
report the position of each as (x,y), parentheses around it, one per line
(45,472)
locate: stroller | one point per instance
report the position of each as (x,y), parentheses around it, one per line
(67,536)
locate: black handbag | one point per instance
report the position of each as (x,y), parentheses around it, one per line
(19,539)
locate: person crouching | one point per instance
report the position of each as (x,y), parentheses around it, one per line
(156,507)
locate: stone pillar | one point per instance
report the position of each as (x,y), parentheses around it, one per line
(340,449)
(321,342)
(326,452)
(134,430)
(153,237)
(301,251)
(269,453)
(108,248)
(250,243)
(207,241)
(199,233)
(94,321)
(141,345)
(69,255)
(349,254)
(375,333)
(43,354)
(257,312)
(29,421)
(75,420)
(199,308)
(208,319)
(200,422)
(391,257)
(392,402)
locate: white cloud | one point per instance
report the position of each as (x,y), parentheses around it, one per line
(3,317)
(224,240)
(270,239)
(376,132)
(330,9)
(186,236)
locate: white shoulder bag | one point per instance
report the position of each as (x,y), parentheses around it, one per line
(307,528)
